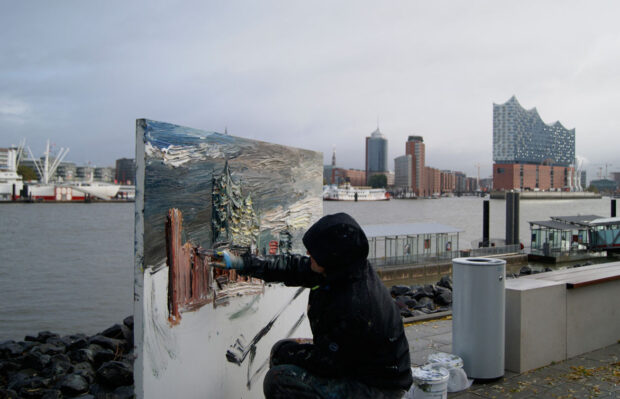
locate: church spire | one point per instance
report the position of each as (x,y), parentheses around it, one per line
(334,157)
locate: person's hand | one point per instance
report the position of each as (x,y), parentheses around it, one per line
(223,259)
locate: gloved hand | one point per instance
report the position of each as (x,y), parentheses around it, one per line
(225,260)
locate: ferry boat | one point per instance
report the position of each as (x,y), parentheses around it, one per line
(349,193)
(10,182)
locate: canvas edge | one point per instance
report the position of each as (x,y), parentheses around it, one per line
(138,305)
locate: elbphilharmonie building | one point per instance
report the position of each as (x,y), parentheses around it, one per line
(520,136)
(530,154)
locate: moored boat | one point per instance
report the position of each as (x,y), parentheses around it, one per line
(350,193)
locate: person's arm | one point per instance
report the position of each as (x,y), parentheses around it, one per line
(292,270)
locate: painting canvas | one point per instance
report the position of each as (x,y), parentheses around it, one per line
(205,332)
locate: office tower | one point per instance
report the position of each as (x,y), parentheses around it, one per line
(376,154)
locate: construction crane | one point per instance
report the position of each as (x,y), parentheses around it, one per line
(600,170)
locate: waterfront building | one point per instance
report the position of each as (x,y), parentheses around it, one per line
(125,172)
(403,166)
(604,185)
(584,185)
(104,174)
(432,185)
(615,177)
(84,172)
(415,147)
(528,153)
(67,171)
(448,181)
(376,154)
(335,175)
(472,184)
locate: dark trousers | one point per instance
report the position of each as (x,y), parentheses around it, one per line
(290,381)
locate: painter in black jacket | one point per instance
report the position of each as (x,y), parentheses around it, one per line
(359,348)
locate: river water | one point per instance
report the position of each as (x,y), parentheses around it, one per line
(69,267)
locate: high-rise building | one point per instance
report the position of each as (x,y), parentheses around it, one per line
(415,147)
(403,167)
(125,171)
(376,154)
(528,153)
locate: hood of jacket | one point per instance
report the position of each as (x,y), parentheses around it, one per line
(337,242)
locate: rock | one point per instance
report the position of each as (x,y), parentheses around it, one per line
(86,370)
(9,366)
(398,290)
(83,355)
(8,394)
(444,297)
(9,349)
(128,322)
(42,337)
(75,342)
(425,303)
(115,374)
(107,343)
(102,356)
(525,270)
(445,282)
(411,303)
(588,263)
(99,391)
(36,360)
(74,384)
(52,394)
(548,269)
(125,392)
(48,349)
(114,331)
(59,366)
(427,290)
(32,393)
(406,313)
(20,381)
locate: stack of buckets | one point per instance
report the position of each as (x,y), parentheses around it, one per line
(443,372)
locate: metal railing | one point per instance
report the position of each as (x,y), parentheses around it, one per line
(505,249)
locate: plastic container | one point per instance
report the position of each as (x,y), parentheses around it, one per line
(458,378)
(429,382)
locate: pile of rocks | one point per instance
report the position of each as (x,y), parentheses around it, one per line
(418,300)
(52,366)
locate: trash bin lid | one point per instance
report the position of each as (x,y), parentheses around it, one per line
(447,360)
(430,374)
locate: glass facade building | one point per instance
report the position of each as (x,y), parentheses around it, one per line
(376,153)
(520,136)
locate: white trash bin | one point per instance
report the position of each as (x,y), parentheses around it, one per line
(458,378)
(429,382)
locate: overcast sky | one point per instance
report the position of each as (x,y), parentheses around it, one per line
(312,74)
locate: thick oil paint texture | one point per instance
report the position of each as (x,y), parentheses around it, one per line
(206,332)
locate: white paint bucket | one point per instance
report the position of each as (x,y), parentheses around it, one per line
(430,382)
(454,364)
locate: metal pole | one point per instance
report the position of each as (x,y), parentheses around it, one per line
(485,223)
(613,208)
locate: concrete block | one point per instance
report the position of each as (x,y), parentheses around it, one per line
(535,324)
(593,320)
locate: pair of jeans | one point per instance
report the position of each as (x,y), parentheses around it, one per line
(291,381)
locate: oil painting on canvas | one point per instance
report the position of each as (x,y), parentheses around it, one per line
(203,332)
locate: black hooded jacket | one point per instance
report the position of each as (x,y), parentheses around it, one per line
(357,329)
